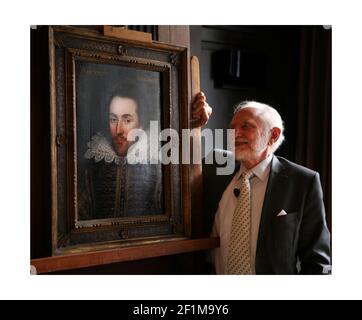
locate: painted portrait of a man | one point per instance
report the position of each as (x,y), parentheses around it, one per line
(111,103)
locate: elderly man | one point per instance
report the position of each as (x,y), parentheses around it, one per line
(271,217)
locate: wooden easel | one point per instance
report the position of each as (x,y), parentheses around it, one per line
(196,183)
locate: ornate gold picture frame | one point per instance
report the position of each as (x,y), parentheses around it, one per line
(98,199)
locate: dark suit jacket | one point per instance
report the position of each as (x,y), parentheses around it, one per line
(298,242)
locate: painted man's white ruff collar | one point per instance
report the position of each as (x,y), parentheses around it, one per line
(100,149)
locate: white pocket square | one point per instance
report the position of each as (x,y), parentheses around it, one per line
(281,213)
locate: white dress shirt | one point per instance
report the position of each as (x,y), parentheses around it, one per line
(227,205)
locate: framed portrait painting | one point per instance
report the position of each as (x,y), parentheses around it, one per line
(110,100)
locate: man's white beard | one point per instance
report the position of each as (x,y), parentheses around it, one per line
(254,152)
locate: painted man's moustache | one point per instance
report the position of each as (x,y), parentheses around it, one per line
(241,141)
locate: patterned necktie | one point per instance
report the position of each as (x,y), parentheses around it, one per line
(239,245)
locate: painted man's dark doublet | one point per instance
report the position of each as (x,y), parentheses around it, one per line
(113,188)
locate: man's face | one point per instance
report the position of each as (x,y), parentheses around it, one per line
(123,117)
(251,138)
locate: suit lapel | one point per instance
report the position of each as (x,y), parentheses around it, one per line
(273,196)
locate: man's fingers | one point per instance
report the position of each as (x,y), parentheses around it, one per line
(200,95)
(202,118)
(201,113)
(199,105)
(209,110)
(198,110)
(201,110)
(199,102)
(205,116)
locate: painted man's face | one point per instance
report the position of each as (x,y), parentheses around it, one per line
(123,117)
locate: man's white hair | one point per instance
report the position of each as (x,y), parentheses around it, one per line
(270,117)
